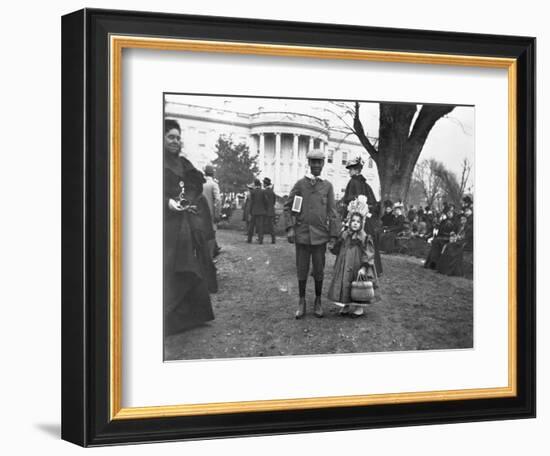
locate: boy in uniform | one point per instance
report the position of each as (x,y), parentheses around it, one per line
(311,222)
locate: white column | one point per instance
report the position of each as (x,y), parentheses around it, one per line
(277,161)
(295,176)
(261,154)
(310,143)
(323,148)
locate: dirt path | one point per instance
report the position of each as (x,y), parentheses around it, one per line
(417,309)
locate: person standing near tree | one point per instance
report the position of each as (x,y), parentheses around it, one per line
(258,210)
(269,225)
(311,223)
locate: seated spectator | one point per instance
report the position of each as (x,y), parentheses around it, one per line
(423,231)
(406,231)
(441,237)
(414,226)
(388,219)
(465,230)
(387,237)
(451,262)
(399,217)
(411,214)
(467,201)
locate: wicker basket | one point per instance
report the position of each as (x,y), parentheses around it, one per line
(362,291)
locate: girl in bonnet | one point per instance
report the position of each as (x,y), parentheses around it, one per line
(355,250)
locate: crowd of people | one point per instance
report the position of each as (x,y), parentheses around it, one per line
(356,234)
(449,232)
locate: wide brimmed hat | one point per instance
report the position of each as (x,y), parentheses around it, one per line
(267,181)
(354,162)
(317,154)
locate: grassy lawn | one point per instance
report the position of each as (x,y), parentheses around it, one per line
(416,309)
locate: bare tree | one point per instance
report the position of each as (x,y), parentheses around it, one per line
(427,174)
(452,186)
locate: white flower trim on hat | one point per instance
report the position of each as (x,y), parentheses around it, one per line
(358,205)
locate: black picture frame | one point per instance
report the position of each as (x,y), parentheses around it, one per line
(86,413)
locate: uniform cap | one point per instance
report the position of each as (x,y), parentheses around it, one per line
(316,154)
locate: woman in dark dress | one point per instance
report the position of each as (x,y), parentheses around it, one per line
(356,186)
(189,273)
(451,260)
(440,239)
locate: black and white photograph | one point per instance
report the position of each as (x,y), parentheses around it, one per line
(316,226)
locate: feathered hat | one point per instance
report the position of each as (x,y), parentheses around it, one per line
(358,206)
(353,162)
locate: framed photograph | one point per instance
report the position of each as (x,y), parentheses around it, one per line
(279,227)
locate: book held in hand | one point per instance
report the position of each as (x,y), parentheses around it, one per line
(297,204)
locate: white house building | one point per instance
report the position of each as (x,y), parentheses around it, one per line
(279,139)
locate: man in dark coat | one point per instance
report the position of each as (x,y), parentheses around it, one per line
(269,225)
(258,210)
(311,222)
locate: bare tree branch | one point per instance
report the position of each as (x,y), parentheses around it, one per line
(427,117)
(349,133)
(465,175)
(362,136)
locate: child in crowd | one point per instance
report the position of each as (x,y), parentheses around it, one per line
(355,261)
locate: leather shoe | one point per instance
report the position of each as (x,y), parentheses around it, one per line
(301,311)
(317,308)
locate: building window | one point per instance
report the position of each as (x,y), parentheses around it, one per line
(344,158)
(202,138)
(330,156)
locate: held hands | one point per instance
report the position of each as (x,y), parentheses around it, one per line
(290,235)
(331,244)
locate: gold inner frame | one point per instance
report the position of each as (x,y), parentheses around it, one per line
(117,44)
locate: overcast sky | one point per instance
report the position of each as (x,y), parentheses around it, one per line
(450,141)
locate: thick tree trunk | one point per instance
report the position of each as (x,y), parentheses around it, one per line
(400,142)
(395,152)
